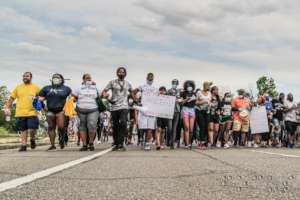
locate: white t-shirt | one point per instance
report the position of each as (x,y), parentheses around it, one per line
(291,115)
(202,97)
(86,97)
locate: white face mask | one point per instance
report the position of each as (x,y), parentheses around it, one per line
(174,86)
(56,81)
(190,89)
(149,82)
(138,95)
(241,96)
(88,82)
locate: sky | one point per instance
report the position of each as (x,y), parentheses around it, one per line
(229,42)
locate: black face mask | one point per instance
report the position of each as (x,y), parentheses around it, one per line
(121,77)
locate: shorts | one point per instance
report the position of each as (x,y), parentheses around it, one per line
(54,114)
(224,119)
(188,112)
(239,126)
(88,121)
(162,123)
(213,119)
(291,127)
(25,123)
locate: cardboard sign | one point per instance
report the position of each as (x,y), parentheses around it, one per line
(159,105)
(259,120)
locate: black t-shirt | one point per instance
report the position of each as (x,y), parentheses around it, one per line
(186,95)
(56,97)
(278,106)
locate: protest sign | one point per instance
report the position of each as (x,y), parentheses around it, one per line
(259,120)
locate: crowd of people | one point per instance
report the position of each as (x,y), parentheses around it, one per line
(202,117)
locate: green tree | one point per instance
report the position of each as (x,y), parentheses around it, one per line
(4,95)
(266,85)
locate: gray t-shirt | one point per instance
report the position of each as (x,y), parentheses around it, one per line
(120,91)
(86,97)
(292,114)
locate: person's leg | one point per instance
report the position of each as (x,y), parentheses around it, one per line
(216,133)
(51,129)
(200,119)
(115,126)
(92,127)
(32,125)
(60,123)
(228,126)
(83,130)
(123,117)
(211,133)
(191,129)
(158,138)
(186,125)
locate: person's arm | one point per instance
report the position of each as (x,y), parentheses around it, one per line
(105,93)
(10,101)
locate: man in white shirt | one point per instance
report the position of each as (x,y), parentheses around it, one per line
(290,119)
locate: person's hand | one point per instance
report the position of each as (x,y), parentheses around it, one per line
(7,112)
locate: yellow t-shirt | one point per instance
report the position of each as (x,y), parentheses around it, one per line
(24,94)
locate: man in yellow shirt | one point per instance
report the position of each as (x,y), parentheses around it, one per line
(26,116)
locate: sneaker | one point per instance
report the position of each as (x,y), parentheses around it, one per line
(115,148)
(158,148)
(255,145)
(226,146)
(249,144)
(51,148)
(83,148)
(91,147)
(99,142)
(32,144)
(162,147)
(209,145)
(218,145)
(172,147)
(61,144)
(23,148)
(147,147)
(121,148)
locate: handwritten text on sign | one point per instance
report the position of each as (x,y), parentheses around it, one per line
(159,105)
(259,120)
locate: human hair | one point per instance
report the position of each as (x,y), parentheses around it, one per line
(28,73)
(61,76)
(189,83)
(122,68)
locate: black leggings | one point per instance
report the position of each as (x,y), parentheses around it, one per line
(202,119)
(119,118)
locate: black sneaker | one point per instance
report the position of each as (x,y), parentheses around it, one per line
(23,148)
(61,144)
(51,148)
(121,148)
(172,147)
(91,147)
(83,148)
(158,148)
(115,148)
(32,144)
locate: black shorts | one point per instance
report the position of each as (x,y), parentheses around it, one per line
(162,122)
(214,119)
(25,123)
(291,127)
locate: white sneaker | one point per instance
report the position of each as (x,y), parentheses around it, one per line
(255,145)
(226,146)
(218,145)
(99,142)
(147,147)
(249,144)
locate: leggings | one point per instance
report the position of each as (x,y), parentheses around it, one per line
(202,119)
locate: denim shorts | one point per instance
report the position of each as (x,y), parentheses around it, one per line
(188,112)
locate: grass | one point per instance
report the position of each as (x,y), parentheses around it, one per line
(6,134)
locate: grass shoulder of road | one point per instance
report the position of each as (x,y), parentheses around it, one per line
(10,140)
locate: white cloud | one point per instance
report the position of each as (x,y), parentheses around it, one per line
(31,48)
(94,33)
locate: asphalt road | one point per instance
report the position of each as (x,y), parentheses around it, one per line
(135,174)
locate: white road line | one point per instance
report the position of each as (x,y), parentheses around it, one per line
(47,172)
(278,154)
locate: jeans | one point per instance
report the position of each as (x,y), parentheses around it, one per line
(202,119)
(119,118)
(172,128)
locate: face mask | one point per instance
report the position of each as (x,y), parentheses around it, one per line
(149,82)
(228,99)
(89,83)
(130,101)
(174,86)
(190,89)
(241,96)
(56,81)
(121,76)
